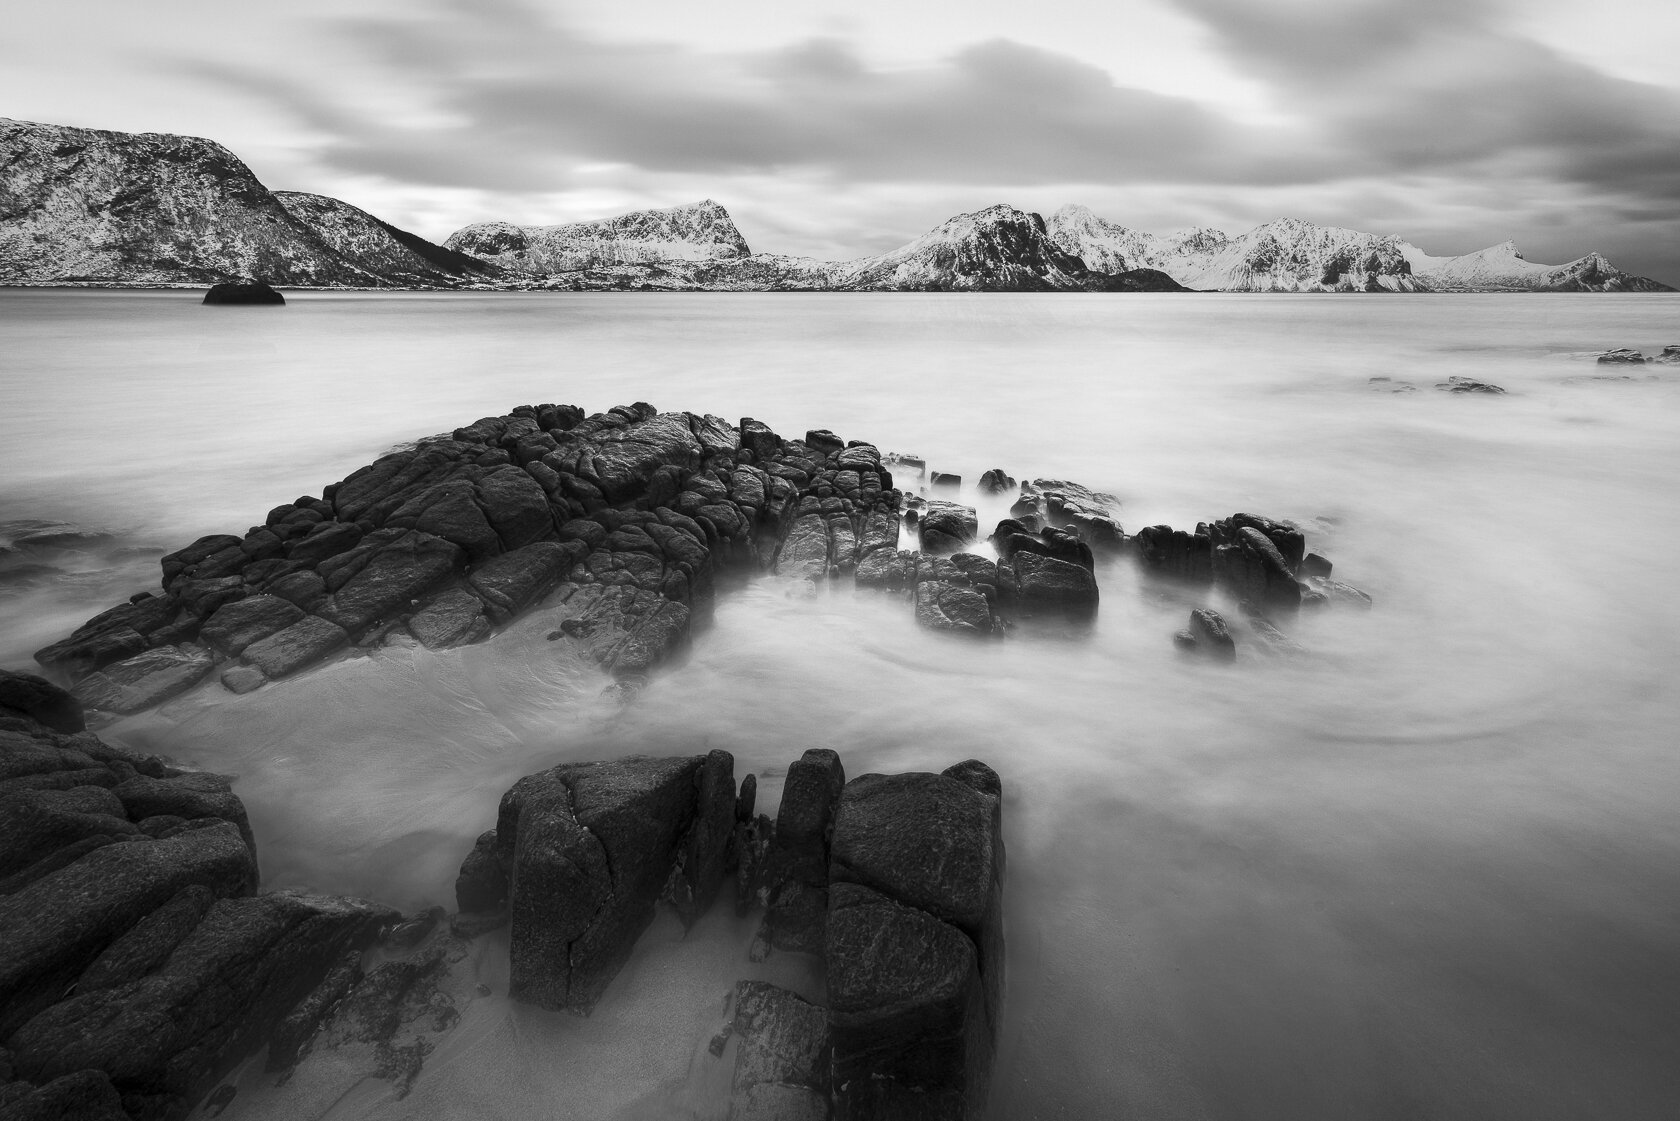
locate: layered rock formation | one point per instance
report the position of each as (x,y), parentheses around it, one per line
(893,881)
(136,964)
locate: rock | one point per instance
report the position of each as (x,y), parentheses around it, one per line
(1088,511)
(86,1095)
(146,679)
(1670,355)
(248,292)
(945,606)
(1033,584)
(302,644)
(1314,565)
(946,527)
(166,1038)
(1467,385)
(508,584)
(40,700)
(1333,591)
(796,866)
(1210,636)
(590,848)
(781,1057)
(890,569)
(482,884)
(705,853)
(243,679)
(915,943)
(455,618)
(1166,551)
(940,480)
(148,943)
(1013,536)
(1391,385)
(236,625)
(1623,357)
(293,1033)
(1251,567)
(402,567)
(996,481)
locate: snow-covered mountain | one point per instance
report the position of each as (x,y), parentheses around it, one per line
(1289,255)
(998,249)
(379,247)
(701,231)
(89,206)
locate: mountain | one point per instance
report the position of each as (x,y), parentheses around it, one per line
(999,249)
(701,231)
(380,247)
(1290,255)
(89,206)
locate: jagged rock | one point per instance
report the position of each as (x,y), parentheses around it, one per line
(1250,564)
(236,625)
(945,606)
(253,292)
(892,569)
(293,1033)
(589,848)
(1034,584)
(146,679)
(1670,355)
(996,481)
(86,1095)
(1013,536)
(455,618)
(782,1056)
(1622,357)
(166,1038)
(945,527)
(1467,385)
(149,942)
(40,700)
(1390,385)
(1088,511)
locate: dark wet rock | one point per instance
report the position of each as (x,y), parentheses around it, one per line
(1467,385)
(996,481)
(40,700)
(746,798)
(1090,512)
(915,943)
(959,608)
(1209,636)
(943,481)
(1032,584)
(85,1095)
(1014,536)
(1670,355)
(399,568)
(510,583)
(455,618)
(300,645)
(243,679)
(146,679)
(1249,563)
(781,1057)
(482,884)
(1166,551)
(235,626)
(293,1033)
(795,875)
(945,527)
(1291,544)
(1314,565)
(589,848)
(704,856)
(1622,357)
(213,1001)
(250,293)
(149,942)
(890,569)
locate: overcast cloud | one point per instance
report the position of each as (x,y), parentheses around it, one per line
(1436,119)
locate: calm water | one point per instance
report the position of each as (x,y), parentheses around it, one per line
(1431,870)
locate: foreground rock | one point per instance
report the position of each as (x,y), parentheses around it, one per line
(892,882)
(136,965)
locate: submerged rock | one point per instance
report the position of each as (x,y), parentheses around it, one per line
(1622,357)
(1468,385)
(243,292)
(1208,635)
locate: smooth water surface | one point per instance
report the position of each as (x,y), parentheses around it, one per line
(1432,869)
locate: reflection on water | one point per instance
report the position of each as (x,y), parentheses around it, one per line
(1428,870)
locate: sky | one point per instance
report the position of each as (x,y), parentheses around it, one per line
(838,129)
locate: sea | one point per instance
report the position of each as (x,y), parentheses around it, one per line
(1427,868)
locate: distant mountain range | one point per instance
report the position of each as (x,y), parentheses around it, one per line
(84,206)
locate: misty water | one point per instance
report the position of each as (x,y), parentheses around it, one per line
(1429,869)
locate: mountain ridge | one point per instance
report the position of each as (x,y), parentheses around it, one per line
(95,207)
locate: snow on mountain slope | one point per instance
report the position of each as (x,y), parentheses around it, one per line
(85,205)
(1289,255)
(1502,268)
(380,247)
(998,249)
(701,231)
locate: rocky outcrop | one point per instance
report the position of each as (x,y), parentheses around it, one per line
(381,248)
(893,882)
(136,965)
(583,851)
